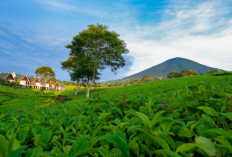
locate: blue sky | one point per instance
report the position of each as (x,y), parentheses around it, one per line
(34,33)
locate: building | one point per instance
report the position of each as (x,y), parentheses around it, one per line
(35,82)
(47,84)
(8,77)
(59,86)
(22,80)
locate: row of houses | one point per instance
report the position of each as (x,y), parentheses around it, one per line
(31,82)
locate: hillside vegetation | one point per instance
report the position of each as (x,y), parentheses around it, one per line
(188,116)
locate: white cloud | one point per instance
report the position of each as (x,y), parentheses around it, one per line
(64,5)
(201,32)
(58,4)
(196,30)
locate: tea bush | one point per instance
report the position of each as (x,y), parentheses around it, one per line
(192,121)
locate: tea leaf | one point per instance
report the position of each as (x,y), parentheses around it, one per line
(206,145)
(209,110)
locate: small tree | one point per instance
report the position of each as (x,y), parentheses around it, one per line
(156,79)
(187,72)
(45,72)
(116,83)
(2,81)
(173,74)
(80,70)
(53,79)
(146,79)
(14,84)
(213,71)
(42,89)
(100,48)
(134,81)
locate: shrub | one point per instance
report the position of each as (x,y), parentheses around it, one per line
(42,89)
(187,72)
(184,72)
(213,71)
(173,74)
(2,81)
(134,81)
(116,84)
(222,73)
(146,79)
(156,79)
(14,84)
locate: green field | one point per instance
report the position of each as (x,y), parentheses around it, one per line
(188,116)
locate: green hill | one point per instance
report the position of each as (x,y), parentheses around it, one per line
(188,116)
(174,64)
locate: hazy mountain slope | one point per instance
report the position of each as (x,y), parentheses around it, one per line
(174,64)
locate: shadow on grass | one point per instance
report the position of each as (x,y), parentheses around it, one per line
(61,98)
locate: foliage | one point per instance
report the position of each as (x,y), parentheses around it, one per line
(45,72)
(158,78)
(213,71)
(134,81)
(18,98)
(173,74)
(184,72)
(68,83)
(53,79)
(222,73)
(146,79)
(187,72)
(93,50)
(189,116)
(80,68)
(42,89)
(2,81)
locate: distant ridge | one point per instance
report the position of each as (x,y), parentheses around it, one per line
(175,64)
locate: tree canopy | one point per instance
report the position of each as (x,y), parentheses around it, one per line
(213,71)
(173,74)
(187,72)
(45,72)
(134,81)
(91,51)
(184,72)
(146,79)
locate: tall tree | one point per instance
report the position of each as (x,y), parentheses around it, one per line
(100,47)
(45,72)
(80,70)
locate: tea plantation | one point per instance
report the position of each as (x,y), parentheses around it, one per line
(189,116)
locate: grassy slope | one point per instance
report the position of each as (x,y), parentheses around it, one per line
(145,90)
(158,118)
(16,98)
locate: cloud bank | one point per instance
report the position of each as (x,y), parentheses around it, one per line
(201,32)
(34,33)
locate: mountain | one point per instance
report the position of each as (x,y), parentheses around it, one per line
(175,64)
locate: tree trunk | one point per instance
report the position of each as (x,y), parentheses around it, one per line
(88,90)
(78,87)
(90,84)
(76,90)
(93,79)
